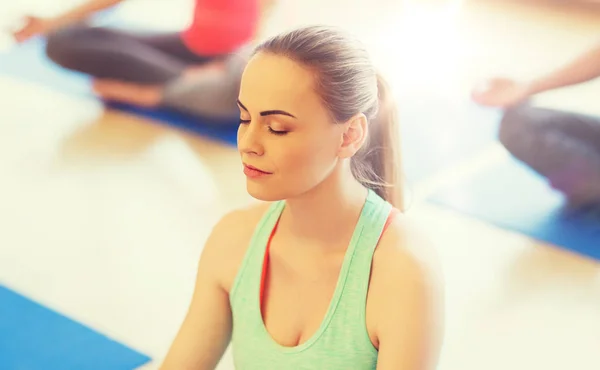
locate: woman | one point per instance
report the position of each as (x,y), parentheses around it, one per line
(562,146)
(328,274)
(123,62)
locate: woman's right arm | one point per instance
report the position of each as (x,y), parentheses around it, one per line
(41,26)
(506,92)
(206,329)
(583,68)
(83,11)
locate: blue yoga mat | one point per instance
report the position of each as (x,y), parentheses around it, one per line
(29,62)
(33,337)
(511,196)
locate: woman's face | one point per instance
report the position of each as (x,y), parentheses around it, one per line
(287,140)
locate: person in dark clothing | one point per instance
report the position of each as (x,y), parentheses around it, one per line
(560,145)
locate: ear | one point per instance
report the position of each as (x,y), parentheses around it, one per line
(354,135)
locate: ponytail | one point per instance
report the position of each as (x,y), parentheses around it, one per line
(378,166)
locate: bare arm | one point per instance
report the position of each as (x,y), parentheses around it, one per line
(206,329)
(266,6)
(35,26)
(582,69)
(82,11)
(410,328)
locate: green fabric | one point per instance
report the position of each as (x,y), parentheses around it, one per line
(342,341)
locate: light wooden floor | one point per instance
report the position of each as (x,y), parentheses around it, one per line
(103,215)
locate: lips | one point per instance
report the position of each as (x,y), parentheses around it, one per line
(254,172)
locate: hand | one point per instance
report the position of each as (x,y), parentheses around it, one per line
(501,92)
(33,26)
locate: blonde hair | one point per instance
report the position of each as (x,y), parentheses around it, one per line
(348,83)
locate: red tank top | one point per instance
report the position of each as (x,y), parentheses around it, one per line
(221,26)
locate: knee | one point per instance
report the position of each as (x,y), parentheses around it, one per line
(515,124)
(65,45)
(60,44)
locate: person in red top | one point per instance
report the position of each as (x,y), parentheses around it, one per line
(123,62)
(220,26)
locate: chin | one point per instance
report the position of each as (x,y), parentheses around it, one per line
(264,193)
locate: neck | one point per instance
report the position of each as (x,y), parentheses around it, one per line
(327,212)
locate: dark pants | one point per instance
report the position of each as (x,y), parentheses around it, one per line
(113,54)
(562,146)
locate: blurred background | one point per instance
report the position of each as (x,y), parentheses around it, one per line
(104,208)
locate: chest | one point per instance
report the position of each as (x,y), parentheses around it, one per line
(308,319)
(297,295)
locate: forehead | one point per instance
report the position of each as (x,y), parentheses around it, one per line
(277,82)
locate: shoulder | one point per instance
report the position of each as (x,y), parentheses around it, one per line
(406,281)
(227,244)
(241,220)
(405,253)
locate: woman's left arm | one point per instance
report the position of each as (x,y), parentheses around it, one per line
(410,326)
(267,5)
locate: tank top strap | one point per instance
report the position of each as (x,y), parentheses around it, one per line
(371,224)
(247,282)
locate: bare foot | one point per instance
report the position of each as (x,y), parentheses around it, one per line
(125,92)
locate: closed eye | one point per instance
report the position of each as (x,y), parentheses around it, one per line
(275,132)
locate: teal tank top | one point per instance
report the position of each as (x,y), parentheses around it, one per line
(342,341)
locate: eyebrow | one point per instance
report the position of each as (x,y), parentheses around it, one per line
(267,112)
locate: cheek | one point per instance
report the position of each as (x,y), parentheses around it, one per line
(305,161)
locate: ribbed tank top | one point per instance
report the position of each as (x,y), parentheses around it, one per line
(342,341)
(221,26)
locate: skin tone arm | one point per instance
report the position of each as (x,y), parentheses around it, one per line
(584,68)
(410,328)
(39,26)
(504,92)
(267,5)
(206,329)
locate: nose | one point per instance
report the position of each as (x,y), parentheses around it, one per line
(249,139)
